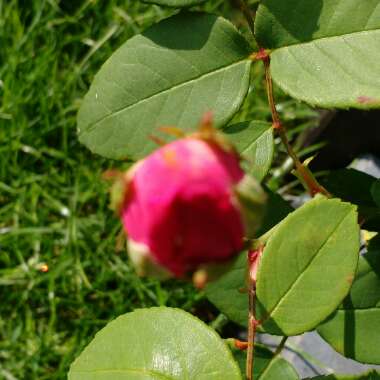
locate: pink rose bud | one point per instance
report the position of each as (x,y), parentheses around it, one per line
(182,209)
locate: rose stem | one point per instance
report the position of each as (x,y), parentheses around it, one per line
(309,181)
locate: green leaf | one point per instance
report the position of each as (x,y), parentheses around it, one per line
(253,201)
(175,3)
(307,266)
(279,369)
(277,209)
(354,330)
(325,52)
(171,74)
(266,366)
(157,343)
(228,293)
(351,185)
(372,375)
(254,141)
(355,186)
(375,191)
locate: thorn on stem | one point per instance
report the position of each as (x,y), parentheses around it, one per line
(240,345)
(276,125)
(261,55)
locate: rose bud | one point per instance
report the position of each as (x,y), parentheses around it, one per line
(184,206)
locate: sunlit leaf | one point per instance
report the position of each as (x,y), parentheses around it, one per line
(155,344)
(325,52)
(254,141)
(170,75)
(308,266)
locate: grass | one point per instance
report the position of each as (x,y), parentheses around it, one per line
(53,204)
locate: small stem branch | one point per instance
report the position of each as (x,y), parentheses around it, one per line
(304,173)
(275,354)
(309,181)
(253,261)
(252,324)
(280,346)
(269,86)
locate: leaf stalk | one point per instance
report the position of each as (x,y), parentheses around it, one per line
(307,178)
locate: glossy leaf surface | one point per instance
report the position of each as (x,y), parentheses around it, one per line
(156,344)
(308,266)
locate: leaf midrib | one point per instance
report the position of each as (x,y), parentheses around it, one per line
(303,43)
(90,127)
(126,371)
(282,298)
(253,142)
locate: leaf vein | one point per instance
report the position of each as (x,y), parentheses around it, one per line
(338,36)
(291,287)
(93,125)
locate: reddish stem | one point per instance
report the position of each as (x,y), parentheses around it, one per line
(307,177)
(309,180)
(253,263)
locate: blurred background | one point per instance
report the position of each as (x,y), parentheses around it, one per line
(63,269)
